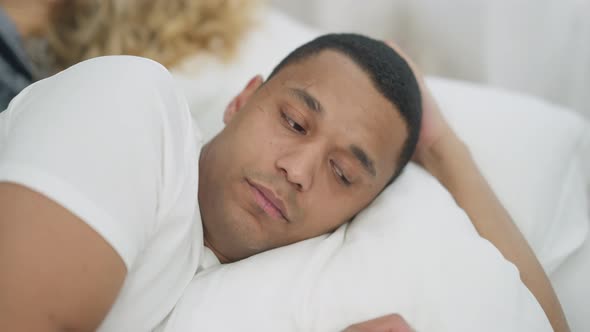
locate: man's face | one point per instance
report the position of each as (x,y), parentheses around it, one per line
(299,156)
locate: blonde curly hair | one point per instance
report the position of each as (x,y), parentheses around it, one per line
(166,31)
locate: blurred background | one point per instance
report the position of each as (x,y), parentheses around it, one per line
(539,47)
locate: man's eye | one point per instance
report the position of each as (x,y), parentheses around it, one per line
(294,125)
(340,174)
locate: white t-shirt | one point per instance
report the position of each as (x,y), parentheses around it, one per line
(112,141)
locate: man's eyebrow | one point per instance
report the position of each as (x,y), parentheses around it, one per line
(362,156)
(310,101)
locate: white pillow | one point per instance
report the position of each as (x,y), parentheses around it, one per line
(413,252)
(535,157)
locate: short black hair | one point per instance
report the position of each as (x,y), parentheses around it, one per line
(389,72)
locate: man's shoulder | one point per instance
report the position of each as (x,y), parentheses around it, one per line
(127,62)
(121,68)
(122,93)
(113,86)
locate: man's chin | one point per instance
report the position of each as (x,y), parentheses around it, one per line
(238,241)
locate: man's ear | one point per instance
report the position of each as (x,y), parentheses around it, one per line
(242,98)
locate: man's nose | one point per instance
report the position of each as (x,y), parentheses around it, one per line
(300,165)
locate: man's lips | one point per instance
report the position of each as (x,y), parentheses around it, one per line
(268,201)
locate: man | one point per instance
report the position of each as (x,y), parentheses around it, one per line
(103,216)
(19,19)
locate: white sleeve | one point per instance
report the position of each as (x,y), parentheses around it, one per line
(91,138)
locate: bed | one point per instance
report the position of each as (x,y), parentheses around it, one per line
(427,264)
